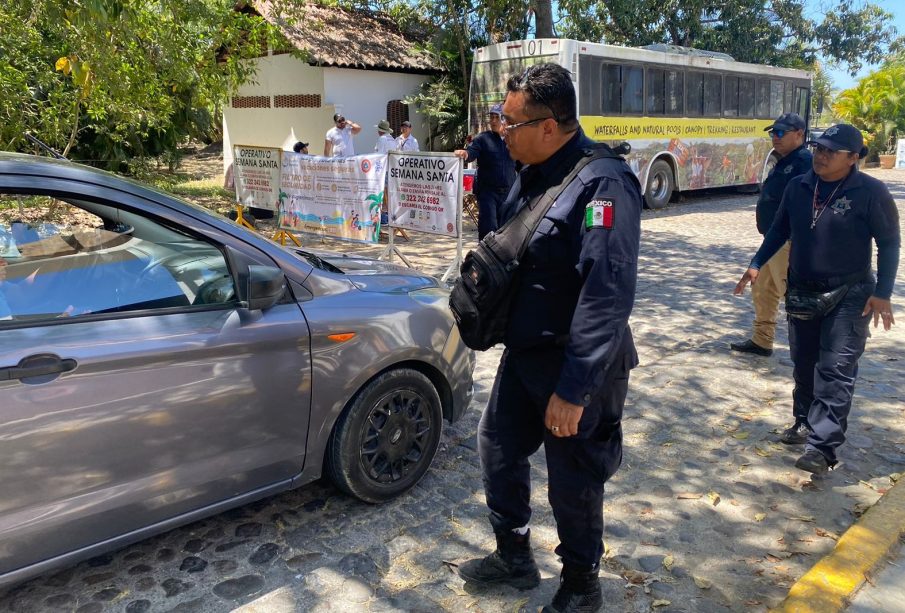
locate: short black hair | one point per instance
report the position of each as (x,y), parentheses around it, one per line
(299,146)
(548,87)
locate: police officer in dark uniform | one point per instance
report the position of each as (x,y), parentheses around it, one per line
(563,377)
(832,214)
(787,136)
(496,171)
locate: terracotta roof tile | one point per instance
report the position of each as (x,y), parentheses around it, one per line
(333,36)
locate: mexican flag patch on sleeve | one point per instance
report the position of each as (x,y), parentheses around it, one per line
(599,214)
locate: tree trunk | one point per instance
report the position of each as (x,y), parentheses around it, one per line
(543,18)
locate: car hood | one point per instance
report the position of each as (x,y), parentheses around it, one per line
(370,275)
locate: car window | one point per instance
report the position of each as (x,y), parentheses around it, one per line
(72,259)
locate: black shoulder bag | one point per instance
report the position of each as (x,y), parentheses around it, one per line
(481,297)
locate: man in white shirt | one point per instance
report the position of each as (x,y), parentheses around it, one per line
(385,140)
(406,141)
(338,142)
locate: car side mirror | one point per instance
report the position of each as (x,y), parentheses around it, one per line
(266,285)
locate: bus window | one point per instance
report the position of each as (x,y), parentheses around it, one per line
(745,97)
(694,106)
(713,89)
(787,106)
(730,96)
(612,90)
(776,98)
(675,93)
(589,74)
(763,99)
(632,89)
(801,101)
(655,92)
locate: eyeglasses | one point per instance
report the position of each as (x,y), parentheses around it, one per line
(777,133)
(821,150)
(509,127)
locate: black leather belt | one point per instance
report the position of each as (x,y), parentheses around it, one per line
(825,285)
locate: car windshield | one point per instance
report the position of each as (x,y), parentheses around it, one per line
(71,258)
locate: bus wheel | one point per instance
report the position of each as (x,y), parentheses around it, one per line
(659,185)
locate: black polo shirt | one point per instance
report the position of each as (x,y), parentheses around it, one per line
(839,243)
(796,163)
(496,168)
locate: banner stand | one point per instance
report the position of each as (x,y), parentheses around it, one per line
(457,263)
(281,236)
(439,196)
(390,249)
(240,218)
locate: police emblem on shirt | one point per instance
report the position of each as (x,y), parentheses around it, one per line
(841,206)
(599,214)
(786,170)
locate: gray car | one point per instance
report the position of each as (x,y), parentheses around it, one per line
(159,364)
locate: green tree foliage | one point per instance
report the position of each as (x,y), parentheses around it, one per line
(876,105)
(773,32)
(110,80)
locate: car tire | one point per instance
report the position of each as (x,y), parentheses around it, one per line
(660,185)
(386,438)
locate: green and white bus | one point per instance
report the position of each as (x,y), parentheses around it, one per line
(694,119)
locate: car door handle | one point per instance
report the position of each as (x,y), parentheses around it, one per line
(38,365)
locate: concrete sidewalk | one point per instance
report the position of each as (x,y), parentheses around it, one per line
(865,572)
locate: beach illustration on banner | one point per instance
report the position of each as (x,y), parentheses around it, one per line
(336,197)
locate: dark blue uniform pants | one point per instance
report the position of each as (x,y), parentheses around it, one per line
(825,352)
(512,429)
(489,202)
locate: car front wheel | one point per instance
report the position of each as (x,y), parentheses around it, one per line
(386,438)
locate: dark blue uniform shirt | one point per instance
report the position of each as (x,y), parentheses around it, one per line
(795,163)
(496,168)
(839,244)
(576,286)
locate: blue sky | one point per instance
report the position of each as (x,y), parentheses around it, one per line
(841,78)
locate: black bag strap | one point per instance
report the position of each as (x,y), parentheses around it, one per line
(516,233)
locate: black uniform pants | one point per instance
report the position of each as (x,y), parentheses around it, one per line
(512,429)
(490,199)
(825,353)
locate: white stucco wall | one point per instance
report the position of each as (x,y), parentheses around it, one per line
(361,95)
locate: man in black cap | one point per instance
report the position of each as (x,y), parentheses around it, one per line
(300,147)
(832,214)
(787,135)
(406,141)
(496,171)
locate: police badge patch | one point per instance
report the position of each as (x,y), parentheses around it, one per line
(841,206)
(599,214)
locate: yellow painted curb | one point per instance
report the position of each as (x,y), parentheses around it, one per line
(829,585)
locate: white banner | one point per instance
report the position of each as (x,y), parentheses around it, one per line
(336,197)
(423,191)
(256,173)
(900,153)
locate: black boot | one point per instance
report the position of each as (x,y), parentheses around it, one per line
(579,592)
(512,564)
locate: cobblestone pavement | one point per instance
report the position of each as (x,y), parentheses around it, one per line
(707,512)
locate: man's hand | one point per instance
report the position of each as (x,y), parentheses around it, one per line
(461,154)
(880,308)
(562,417)
(750,276)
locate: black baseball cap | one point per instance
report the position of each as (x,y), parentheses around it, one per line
(787,121)
(842,137)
